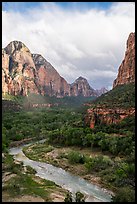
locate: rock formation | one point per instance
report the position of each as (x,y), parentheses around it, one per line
(24,73)
(48,79)
(126,72)
(18,70)
(105,115)
(81,88)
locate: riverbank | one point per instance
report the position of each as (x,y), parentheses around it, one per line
(57,156)
(62,178)
(20,184)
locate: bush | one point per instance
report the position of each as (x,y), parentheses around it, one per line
(98,163)
(124,194)
(76,157)
(30,170)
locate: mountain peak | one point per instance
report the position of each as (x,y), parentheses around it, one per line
(101,91)
(81,79)
(81,87)
(15,46)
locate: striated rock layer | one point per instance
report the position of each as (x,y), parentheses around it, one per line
(107,115)
(126,72)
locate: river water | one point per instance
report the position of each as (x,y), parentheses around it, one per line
(63,178)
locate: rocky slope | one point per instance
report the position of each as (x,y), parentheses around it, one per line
(81,87)
(49,81)
(126,72)
(24,73)
(18,70)
(118,103)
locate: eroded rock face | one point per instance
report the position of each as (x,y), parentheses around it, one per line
(24,73)
(107,115)
(18,70)
(49,80)
(82,88)
(126,72)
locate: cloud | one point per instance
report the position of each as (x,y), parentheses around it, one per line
(89,43)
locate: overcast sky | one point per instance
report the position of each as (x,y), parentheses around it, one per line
(78,38)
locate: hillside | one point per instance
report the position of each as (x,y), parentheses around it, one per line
(112,107)
(120,96)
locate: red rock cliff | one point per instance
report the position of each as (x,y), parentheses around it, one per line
(49,80)
(24,73)
(126,72)
(107,115)
(18,70)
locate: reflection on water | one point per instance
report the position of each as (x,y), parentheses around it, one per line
(63,178)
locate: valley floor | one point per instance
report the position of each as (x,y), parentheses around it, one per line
(57,157)
(19,184)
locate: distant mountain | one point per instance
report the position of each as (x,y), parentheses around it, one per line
(24,73)
(101,91)
(81,87)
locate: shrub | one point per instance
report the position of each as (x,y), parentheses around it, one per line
(98,163)
(124,194)
(76,157)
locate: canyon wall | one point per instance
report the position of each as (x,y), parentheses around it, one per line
(126,72)
(97,114)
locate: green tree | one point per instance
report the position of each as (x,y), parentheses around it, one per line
(68,197)
(80,197)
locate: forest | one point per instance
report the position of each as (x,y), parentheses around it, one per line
(65,127)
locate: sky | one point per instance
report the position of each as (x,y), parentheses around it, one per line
(85,39)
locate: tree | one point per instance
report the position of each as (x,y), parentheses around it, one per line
(80,197)
(68,197)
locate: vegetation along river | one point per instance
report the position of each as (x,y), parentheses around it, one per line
(63,178)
